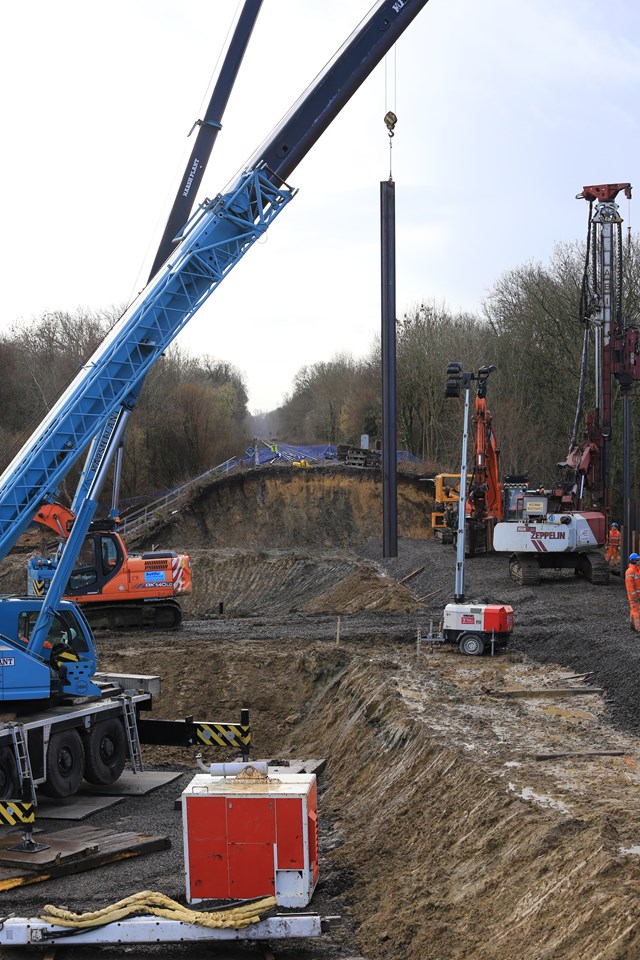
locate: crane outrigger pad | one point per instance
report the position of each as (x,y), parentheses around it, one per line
(72,851)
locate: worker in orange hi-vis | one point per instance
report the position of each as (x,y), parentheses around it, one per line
(632,583)
(613,544)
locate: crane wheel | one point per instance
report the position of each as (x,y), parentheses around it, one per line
(105,751)
(65,764)
(9,783)
(471,644)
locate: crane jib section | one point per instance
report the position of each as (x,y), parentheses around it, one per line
(216,238)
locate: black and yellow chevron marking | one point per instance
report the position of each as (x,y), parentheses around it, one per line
(224,734)
(69,655)
(39,588)
(15,812)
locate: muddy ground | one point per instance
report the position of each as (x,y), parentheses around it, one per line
(443,833)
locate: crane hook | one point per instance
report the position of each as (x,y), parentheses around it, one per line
(390,121)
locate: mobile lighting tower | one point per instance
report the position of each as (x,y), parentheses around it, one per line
(473,626)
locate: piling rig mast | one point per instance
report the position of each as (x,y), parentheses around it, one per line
(565,526)
(587,468)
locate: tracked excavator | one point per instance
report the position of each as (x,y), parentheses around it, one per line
(116,589)
(564,526)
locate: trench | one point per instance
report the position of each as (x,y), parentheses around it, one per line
(440,835)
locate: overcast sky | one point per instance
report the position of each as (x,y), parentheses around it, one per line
(506,108)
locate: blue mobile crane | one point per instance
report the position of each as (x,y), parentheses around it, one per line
(114,588)
(57,661)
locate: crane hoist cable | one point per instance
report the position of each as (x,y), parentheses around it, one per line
(390,117)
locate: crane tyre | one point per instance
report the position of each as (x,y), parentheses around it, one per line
(65,764)
(471,644)
(105,751)
(9,781)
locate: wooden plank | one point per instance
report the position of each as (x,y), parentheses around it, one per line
(579,753)
(414,573)
(100,847)
(547,692)
(428,596)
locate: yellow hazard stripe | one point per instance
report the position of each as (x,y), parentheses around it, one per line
(224,734)
(14,812)
(38,587)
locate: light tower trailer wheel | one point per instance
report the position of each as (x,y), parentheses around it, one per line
(472,644)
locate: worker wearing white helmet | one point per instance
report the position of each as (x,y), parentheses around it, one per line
(632,583)
(613,545)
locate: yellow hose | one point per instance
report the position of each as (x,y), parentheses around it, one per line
(158,905)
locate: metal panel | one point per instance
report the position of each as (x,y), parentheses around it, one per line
(290,834)
(18,931)
(252,871)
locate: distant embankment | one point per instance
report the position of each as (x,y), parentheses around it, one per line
(293,508)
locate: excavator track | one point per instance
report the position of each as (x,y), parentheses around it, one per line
(146,615)
(524,570)
(594,568)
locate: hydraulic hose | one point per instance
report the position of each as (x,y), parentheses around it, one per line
(157,904)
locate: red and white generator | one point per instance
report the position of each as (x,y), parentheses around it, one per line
(247,837)
(475,626)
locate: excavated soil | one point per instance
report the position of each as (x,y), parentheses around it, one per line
(293,508)
(444,831)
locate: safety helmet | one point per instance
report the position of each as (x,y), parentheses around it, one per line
(633,558)
(614,524)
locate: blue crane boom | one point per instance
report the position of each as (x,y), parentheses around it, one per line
(103,449)
(212,243)
(208,129)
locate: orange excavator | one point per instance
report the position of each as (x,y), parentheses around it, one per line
(114,588)
(484,501)
(485,489)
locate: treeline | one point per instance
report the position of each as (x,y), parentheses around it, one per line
(191,414)
(530,329)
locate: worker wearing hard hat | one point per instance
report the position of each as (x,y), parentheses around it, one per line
(632,583)
(613,545)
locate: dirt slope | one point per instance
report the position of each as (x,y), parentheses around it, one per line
(293,508)
(269,583)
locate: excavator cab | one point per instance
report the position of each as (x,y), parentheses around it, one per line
(100,559)
(513,492)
